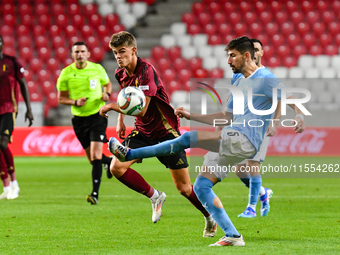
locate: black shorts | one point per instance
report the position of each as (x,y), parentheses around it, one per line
(90,129)
(137,140)
(7,123)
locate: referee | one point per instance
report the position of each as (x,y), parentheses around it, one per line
(81,86)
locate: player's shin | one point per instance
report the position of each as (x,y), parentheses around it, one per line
(174,146)
(254,190)
(204,192)
(96,176)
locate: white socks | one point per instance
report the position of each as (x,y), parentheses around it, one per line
(14,184)
(262,191)
(155,195)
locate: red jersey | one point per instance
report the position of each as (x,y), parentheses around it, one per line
(159,119)
(11,71)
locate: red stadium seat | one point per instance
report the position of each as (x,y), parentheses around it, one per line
(328,17)
(44,54)
(44,20)
(163,64)
(184,75)
(92,42)
(24,41)
(334,28)
(194,29)
(179,64)
(293,40)
(58,42)
(35,97)
(114,96)
(318,28)
(43,76)
(274,62)
(48,87)
(174,52)
(325,40)
(230,7)
(102,31)
(9,19)
(26,54)
(299,50)
(250,18)
(289,62)
(244,7)
(198,8)
(95,20)
(263,38)
(287,28)
(61,21)
(215,40)
(72,40)
(277,40)
(39,30)
(234,18)
(266,17)
(118,28)
(214,8)
(74,9)
(303,28)
(98,54)
(255,29)
(322,6)
(281,18)
(86,31)
(315,50)
(62,53)
(224,29)
(28,75)
(282,51)
(168,76)
(210,29)
(57,9)
(78,21)
(52,100)
(219,18)
(204,19)
(172,86)
(188,18)
(297,17)
(22,30)
(331,50)
(6,30)
(25,9)
(151,61)
(53,64)
(111,20)
(194,64)
(32,87)
(55,31)
(291,6)
(312,17)
(89,9)
(35,65)
(271,29)
(240,29)
(228,38)
(260,7)
(216,73)
(309,40)
(70,31)
(306,6)
(10,51)
(201,73)
(158,52)
(41,41)
(336,6)
(9,9)
(268,50)
(9,40)
(276,6)
(67,61)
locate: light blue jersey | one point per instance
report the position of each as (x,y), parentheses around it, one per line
(262,82)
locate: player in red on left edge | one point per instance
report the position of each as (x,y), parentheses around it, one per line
(11,73)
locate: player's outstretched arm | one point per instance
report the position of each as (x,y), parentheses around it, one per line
(209,119)
(25,95)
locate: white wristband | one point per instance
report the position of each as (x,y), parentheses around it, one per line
(300,116)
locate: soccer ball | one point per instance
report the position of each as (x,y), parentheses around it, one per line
(131,100)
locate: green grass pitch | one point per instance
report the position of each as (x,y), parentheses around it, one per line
(51,215)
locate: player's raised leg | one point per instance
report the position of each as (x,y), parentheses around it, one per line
(136,182)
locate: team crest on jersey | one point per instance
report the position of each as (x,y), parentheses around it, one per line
(4,68)
(93,84)
(124,84)
(137,83)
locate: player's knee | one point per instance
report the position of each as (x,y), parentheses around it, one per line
(117,170)
(185,190)
(202,186)
(185,139)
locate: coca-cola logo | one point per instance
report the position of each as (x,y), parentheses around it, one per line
(310,141)
(63,143)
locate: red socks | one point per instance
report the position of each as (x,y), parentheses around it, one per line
(8,156)
(194,200)
(136,182)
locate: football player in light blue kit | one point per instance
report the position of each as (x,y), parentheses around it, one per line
(234,143)
(251,167)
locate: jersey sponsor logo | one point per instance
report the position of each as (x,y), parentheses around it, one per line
(101,137)
(144,87)
(93,84)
